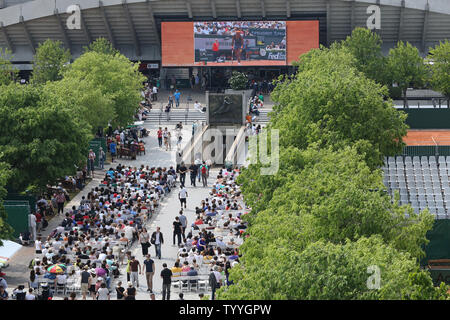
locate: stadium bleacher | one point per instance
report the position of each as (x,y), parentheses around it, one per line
(422,182)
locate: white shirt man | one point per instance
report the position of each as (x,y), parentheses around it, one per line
(102,256)
(32,225)
(198,106)
(220,243)
(218,275)
(183,193)
(60,229)
(56,245)
(30,296)
(128,232)
(103,294)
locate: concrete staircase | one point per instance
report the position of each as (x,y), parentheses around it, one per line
(188,116)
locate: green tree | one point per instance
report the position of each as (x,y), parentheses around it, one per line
(406,67)
(440,69)
(326,271)
(7,71)
(6,231)
(330,102)
(49,61)
(101,45)
(365,46)
(41,141)
(116,77)
(238,81)
(313,203)
(85,100)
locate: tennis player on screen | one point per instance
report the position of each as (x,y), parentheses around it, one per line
(237,43)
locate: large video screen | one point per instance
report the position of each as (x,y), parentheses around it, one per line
(240,42)
(236,43)
(225,108)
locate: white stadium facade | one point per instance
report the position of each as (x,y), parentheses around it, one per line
(134,26)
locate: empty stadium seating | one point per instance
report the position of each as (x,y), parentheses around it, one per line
(421,181)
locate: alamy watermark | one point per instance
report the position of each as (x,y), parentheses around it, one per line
(374,20)
(374,281)
(227,146)
(74,20)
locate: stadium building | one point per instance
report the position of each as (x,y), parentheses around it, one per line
(160,33)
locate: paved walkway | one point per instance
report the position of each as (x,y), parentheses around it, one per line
(196,95)
(18,272)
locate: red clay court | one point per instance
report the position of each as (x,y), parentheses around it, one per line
(427,137)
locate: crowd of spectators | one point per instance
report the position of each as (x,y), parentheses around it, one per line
(229,27)
(94,238)
(129,139)
(211,246)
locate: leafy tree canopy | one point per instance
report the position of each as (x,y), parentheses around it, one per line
(440,69)
(6,231)
(334,197)
(86,101)
(7,72)
(101,45)
(406,66)
(116,78)
(41,141)
(49,61)
(330,102)
(365,46)
(331,271)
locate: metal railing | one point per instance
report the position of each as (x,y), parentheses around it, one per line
(421,102)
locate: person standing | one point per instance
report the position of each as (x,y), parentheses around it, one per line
(91,157)
(192,82)
(170,99)
(149,272)
(215,50)
(198,163)
(32,225)
(157,240)
(204,173)
(160,134)
(182,195)
(166,137)
(182,170)
(38,221)
(177,231)
(144,238)
(103,292)
(215,280)
(60,199)
(102,158)
(237,43)
(155,93)
(113,149)
(166,275)
(177,95)
(183,221)
(193,173)
(135,268)
(194,127)
(120,290)
(85,282)
(169,140)
(130,294)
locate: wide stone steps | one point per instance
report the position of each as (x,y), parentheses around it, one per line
(189,116)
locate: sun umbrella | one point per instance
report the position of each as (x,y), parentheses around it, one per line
(57,268)
(100,271)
